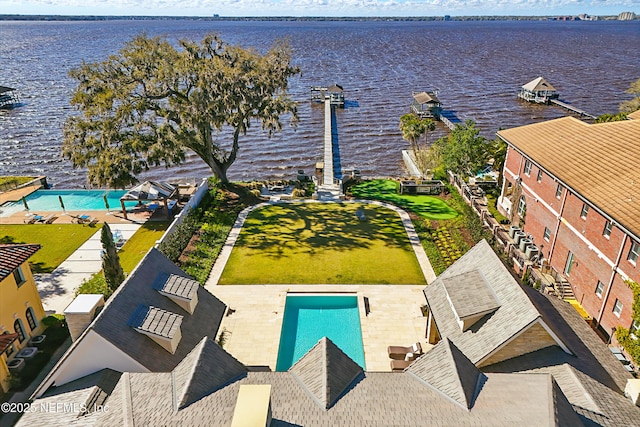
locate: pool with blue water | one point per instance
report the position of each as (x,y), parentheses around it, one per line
(308,318)
(74,200)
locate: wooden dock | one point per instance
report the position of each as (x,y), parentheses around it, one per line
(571,108)
(450,119)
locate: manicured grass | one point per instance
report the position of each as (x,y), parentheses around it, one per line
(139,244)
(316,243)
(429,207)
(58,241)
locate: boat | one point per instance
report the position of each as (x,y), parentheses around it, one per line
(8,97)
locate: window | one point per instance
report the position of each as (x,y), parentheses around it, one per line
(19,276)
(607,229)
(559,191)
(539,179)
(17,326)
(569,264)
(635,328)
(547,234)
(617,308)
(633,252)
(522,206)
(584,211)
(527,167)
(31,318)
(599,289)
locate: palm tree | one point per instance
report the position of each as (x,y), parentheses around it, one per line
(412,128)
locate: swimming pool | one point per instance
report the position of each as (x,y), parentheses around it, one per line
(74,200)
(307,318)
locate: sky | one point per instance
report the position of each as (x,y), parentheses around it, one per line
(318,7)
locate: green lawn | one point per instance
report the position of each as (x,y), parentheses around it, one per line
(317,243)
(58,241)
(139,244)
(429,207)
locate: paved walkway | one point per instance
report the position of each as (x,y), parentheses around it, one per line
(394,318)
(58,289)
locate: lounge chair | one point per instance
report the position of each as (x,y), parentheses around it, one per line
(399,352)
(400,365)
(81,219)
(33,219)
(45,219)
(93,222)
(51,219)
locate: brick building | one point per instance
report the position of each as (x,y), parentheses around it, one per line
(574,188)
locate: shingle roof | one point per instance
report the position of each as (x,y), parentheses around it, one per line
(376,399)
(597,161)
(514,315)
(538,84)
(326,371)
(13,255)
(112,323)
(424,97)
(470,294)
(207,368)
(449,371)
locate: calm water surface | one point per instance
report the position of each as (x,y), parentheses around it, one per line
(477,67)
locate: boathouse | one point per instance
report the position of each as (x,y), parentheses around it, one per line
(426,104)
(335,93)
(538,90)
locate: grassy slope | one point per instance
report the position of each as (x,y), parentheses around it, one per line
(322,243)
(429,207)
(139,244)
(58,241)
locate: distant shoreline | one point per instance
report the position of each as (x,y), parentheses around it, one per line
(563,18)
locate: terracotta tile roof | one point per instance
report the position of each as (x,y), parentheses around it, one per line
(13,255)
(597,161)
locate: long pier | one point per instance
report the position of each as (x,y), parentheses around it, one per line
(571,108)
(330,186)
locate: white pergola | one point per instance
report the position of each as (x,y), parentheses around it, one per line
(153,191)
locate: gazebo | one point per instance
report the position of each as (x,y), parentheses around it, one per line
(150,191)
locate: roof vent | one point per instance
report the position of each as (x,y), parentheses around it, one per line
(160,325)
(181,290)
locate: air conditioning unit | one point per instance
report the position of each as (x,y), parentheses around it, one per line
(512,230)
(532,250)
(524,244)
(16,365)
(517,236)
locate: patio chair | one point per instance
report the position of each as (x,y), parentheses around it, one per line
(400,365)
(51,219)
(33,219)
(93,222)
(81,219)
(400,352)
(45,219)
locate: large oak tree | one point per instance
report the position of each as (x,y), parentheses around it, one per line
(149,103)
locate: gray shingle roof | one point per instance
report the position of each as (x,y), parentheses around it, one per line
(326,372)
(449,371)
(470,294)
(156,321)
(180,286)
(207,368)
(515,314)
(138,289)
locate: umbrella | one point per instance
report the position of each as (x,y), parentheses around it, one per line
(61,203)
(24,202)
(106,202)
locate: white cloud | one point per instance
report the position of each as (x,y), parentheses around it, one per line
(318,7)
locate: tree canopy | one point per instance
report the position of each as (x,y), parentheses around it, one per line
(633,104)
(413,128)
(464,151)
(149,103)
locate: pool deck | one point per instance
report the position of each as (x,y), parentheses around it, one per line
(255,322)
(254,326)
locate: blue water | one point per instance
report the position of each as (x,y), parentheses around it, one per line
(309,318)
(74,200)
